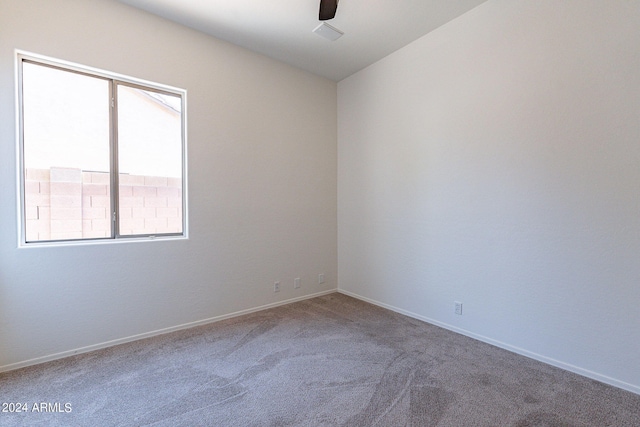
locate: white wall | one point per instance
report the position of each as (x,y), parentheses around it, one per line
(496,162)
(262,187)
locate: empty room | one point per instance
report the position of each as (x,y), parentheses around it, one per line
(320,213)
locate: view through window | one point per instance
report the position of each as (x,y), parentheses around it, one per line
(102,158)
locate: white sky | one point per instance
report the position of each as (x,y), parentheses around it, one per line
(66,122)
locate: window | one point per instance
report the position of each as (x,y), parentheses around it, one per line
(101,156)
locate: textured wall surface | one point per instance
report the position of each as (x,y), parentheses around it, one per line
(261,187)
(496,162)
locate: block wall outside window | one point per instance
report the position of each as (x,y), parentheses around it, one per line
(67,203)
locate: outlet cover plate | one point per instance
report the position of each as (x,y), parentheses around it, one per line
(458,308)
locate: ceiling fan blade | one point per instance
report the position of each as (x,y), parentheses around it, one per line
(328,9)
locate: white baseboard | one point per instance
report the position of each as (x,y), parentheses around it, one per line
(111,343)
(539,357)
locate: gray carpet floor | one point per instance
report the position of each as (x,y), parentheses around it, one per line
(327,361)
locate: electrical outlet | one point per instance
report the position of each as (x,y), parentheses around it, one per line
(276,287)
(458,310)
(296,283)
(320,279)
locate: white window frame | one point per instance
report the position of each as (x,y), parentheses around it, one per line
(115,79)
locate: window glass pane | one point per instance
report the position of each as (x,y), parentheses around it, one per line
(66,154)
(149,161)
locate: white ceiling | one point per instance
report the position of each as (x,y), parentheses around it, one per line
(282,29)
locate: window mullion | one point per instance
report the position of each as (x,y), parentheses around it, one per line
(115,182)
